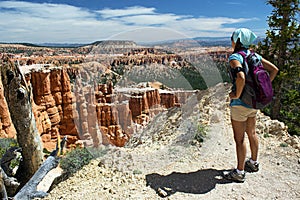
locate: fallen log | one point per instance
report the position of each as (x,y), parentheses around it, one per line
(29,191)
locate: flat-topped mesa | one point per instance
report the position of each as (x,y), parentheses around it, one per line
(111,47)
(115,43)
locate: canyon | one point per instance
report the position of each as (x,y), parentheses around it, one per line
(69,99)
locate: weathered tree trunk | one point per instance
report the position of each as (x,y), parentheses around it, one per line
(18,97)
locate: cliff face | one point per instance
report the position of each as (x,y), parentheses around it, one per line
(7,129)
(53,105)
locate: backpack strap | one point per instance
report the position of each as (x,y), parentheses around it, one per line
(248,94)
(242,53)
(244,64)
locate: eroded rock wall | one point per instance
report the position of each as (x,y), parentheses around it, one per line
(7,129)
(53,105)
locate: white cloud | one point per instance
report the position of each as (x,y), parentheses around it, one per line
(143,20)
(45,22)
(44,10)
(215,24)
(135,10)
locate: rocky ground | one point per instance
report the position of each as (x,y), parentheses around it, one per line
(166,162)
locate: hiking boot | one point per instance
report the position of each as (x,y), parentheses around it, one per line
(235,176)
(249,167)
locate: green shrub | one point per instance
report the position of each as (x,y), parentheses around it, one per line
(6,143)
(137,171)
(283,144)
(266,135)
(200,133)
(75,160)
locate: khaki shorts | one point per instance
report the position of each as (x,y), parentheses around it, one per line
(241,113)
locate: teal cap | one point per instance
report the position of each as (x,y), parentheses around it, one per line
(247,37)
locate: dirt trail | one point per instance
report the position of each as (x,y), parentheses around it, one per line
(162,163)
(278,177)
(186,173)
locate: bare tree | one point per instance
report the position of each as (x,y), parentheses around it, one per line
(18,97)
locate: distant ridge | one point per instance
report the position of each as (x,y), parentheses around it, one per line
(219,41)
(197,41)
(61,45)
(114,42)
(111,46)
(50,45)
(21,43)
(215,41)
(96,43)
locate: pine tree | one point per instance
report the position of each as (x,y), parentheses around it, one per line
(282,47)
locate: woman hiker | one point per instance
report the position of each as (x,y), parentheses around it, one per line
(243,116)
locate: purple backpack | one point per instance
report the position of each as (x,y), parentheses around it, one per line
(258,91)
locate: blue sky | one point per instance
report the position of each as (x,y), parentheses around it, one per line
(85,21)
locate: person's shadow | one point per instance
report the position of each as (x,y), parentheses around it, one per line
(199,182)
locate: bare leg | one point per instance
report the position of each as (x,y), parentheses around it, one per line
(239,129)
(253,140)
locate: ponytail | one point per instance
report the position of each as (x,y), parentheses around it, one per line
(238,46)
